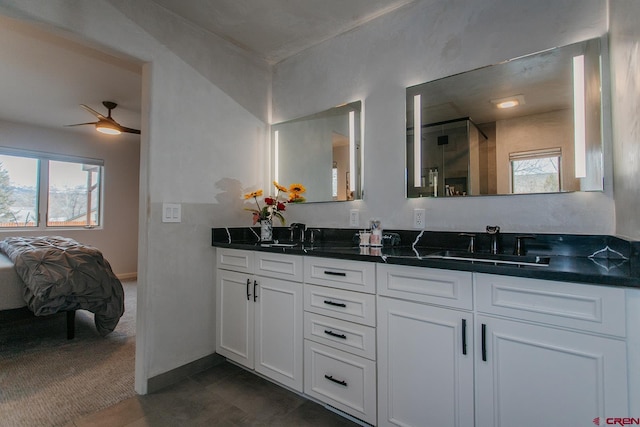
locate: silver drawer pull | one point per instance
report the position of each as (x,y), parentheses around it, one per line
(335,273)
(330,378)
(333,334)
(336,304)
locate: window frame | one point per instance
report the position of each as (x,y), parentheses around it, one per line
(42,183)
(547,153)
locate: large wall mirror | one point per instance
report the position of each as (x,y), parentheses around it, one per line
(321,151)
(528,125)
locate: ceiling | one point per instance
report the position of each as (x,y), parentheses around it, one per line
(44,77)
(277,29)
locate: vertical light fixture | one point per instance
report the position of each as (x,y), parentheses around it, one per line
(276,157)
(352,152)
(417,141)
(579,117)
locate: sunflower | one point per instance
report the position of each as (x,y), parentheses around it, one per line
(253,194)
(297,188)
(280,187)
(296,198)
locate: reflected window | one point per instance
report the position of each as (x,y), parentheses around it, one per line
(535,172)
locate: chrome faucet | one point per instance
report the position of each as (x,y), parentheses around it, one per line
(314,235)
(494,232)
(471,248)
(300,227)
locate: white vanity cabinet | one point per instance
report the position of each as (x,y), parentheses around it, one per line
(425,347)
(414,346)
(538,352)
(259,313)
(548,353)
(339,332)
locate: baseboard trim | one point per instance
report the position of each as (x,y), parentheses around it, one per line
(175,375)
(125,277)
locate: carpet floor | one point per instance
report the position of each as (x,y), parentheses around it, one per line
(47,380)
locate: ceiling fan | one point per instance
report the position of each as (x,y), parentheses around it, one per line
(106,124)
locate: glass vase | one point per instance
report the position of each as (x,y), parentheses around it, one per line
(266,230)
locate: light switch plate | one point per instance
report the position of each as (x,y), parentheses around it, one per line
(354,218)
(171,212)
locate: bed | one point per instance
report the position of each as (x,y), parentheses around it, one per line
(55,274)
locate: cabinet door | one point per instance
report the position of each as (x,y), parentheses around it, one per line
(279,331)
(424,376)
(235,317)
(534,375)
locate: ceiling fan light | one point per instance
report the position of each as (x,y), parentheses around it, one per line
(107,128)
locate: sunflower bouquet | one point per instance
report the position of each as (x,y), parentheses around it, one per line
(275,205)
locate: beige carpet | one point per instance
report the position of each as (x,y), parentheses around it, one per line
(47,380)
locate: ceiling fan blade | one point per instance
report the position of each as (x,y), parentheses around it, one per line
(82,124)
(94,112)
(129,130)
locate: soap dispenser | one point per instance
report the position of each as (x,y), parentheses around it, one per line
(376,233)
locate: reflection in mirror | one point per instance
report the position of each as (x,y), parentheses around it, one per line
(528,125)
(323,151)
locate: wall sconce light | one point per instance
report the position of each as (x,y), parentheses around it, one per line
(352,151)
(276,148)
(579,117)
(417,141)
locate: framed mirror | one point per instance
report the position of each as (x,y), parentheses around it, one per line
(527,125)
(323,152)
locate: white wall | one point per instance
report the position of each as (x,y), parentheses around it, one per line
(118,237)
(203,135)
(625,58)
(424,41)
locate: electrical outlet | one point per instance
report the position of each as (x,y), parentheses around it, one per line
(354,218)
(418,218)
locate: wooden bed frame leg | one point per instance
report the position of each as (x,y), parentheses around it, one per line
(71,324)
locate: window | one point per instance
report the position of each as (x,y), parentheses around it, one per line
(67,191)
(18,191)
(535,171)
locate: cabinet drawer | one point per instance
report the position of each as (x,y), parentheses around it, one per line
(341,379)
(431,285)
(351,275)
(279,266)
(590,308)
(346,305)
(347,336)
(235,259)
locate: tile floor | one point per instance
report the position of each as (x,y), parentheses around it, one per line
(224,395)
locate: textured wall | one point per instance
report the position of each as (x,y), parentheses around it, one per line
(625,71)
(424,41)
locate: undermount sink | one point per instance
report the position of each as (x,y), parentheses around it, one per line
(278,245)
(534,260)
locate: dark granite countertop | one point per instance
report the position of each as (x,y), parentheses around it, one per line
(603,260)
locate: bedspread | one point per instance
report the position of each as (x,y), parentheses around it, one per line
(61,274)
